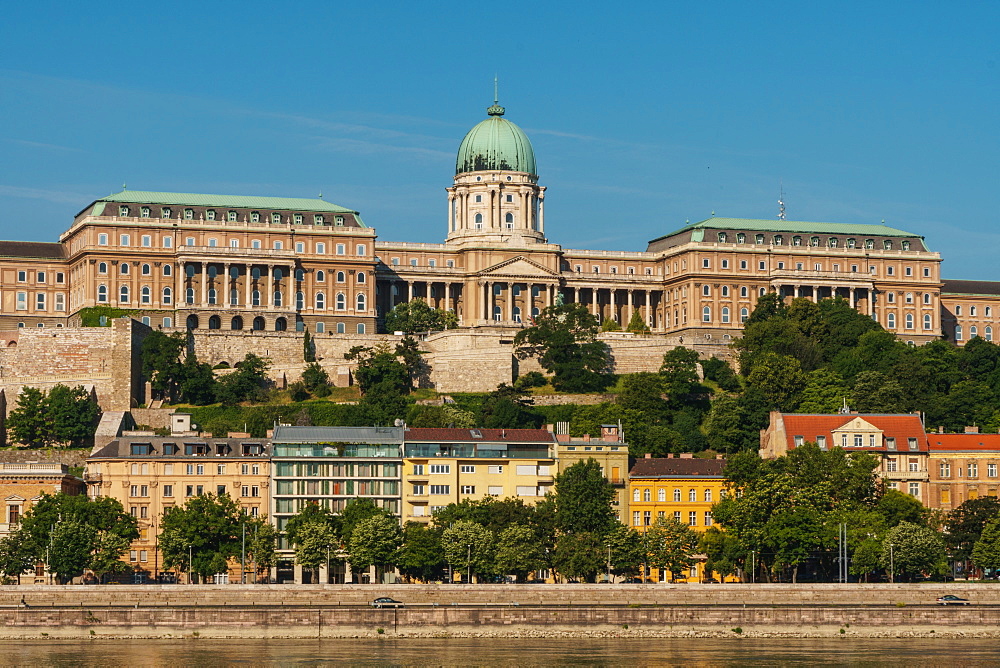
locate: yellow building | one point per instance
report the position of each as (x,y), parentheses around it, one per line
(150,474)
(679,487)
(442,466)
(610,451)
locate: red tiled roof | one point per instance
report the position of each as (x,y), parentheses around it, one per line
(899,427)
(662,467)
(959,442)
(452,435)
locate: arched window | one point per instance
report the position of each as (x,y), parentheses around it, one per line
(744,315)
(909,321)
(509,221)
(300,300)
(360,302)
(479,221)
(320,275)
(215,322)
(145,270)
(102,293)
(725,290)
(517,313)
(744,292)
(958,332)
(190,295)
(234,297)
(927,298)
(497,314)
(277,299)
(280,325)
(677,495)
(167,295)
(891,321)
(706,314)
(692,495)
(123,268)
(189,270)
(192,322)
(927,321)
(706,291)
(661,495)
(909,297)
(145,296)
(102,268)
(973,332)
(300,275)
(123,294)
(341,277)
(361,277)
(236,323)
(258,323)
(255,298)
(635,495)
(646,495)
(361,328)
(869,243)
(341,302)
(320,301)
(725,314)
(796,241)
(212,297)
(341,328)
(167,270)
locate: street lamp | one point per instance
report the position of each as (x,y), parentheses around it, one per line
(468,562)
(892,566)
(327,565)
(609,563)
(190,562)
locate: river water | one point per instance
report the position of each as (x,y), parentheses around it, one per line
(506,652)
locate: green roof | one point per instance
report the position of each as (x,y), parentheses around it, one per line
(496,143)
(793,226)
(233,201)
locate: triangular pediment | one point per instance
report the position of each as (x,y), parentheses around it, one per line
(14,497)
(517,266)
(856,424)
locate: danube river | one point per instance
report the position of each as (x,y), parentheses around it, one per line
(507,652)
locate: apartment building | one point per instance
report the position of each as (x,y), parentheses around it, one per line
(609,450)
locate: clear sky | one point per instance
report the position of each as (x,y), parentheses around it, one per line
(643,115)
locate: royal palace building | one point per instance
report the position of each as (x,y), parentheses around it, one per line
(216,262)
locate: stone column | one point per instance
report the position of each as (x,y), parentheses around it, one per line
(631,305)
(409,291)
(180,293)
(204,284)
(270,287)
(510,302)
(815,294)
(614,304)
(451,211)
(226,283)
(796,291)
(594,296)
(853,297)
(541,210)
(248,278)
(549,294)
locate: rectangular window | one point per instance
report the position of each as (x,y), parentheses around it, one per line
(912,443)
(102,239)
(973,470)
(341,249)
(991,470)
(890,465)
(468,489)
(418,469)
(523,469)
(693,518)
(708,518)
(914,489)
(124,240)
(320,248)
(440,489)
(22,301)
(495,469)
(168,469)
(635,518)
(647,517)
(944,469)
(220,469)
(147,241)
(440,468)
(468,468)
(914,467)
(419,490)
(523,490)
(168,490)
(890,443)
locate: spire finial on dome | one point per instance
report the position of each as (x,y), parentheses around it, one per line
(496,109)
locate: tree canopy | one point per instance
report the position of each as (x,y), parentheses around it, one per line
(564,339)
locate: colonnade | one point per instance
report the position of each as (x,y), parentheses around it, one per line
(619,311)
(853,294)
(267,298)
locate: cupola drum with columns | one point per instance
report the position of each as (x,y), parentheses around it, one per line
(496,198)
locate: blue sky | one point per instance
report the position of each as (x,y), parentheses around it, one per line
(643,115)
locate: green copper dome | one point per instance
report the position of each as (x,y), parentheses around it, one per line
(495,143)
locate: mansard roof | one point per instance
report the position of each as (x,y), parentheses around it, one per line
(664,467)
(971,287)
(223,201)
(455,435)
(39,249)
(897,426)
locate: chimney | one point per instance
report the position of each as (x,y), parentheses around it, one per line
(686,455)
(586,438)
(940,430)
(972,430)
(720,456)
(649,455)
(550,428)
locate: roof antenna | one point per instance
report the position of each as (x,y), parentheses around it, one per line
(496,93)
(781,201)
(496,109)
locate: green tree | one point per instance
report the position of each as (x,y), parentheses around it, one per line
(670,545)
(356,511)
(421,556)
(636,324)
(793,535)
(718,370)
(209,528)
(779,378)
(895,507)
(309,515)
(160,356)
(261,539)
(247,383)
(679,371)
(825,392)
(15,556)
(507,408)
(315,378)
(721,551)
(384,380)
(308,348)
(583,499)
(610,325)
(644,392)
(579,555)
(564,339)
(469,546)
(874,392)
(912,551)
(986,551)
(417,316)
(440,416)
(70,546)
(314,543)
(29,422)
(626,547)
(375,541)
(518,552)
(73,414)
(966,524)
(197,383)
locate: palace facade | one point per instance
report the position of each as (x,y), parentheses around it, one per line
(215,262)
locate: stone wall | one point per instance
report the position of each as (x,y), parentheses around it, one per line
(105,358)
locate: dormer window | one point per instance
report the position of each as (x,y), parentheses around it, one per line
(188,214)
(759,239)
(275,218)
(165,212)
(318,219)
(886,244)
(339,220)
(833,242)
(144,212)
(123,210)
(906,245)
(722,237)
(851,243)
(869,244)
(741,238)
(814,241)
(796,241)
(297,218)
(254,216)
(777,240)
(210,214)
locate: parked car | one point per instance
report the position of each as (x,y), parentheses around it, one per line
(386,602)
(951,599)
